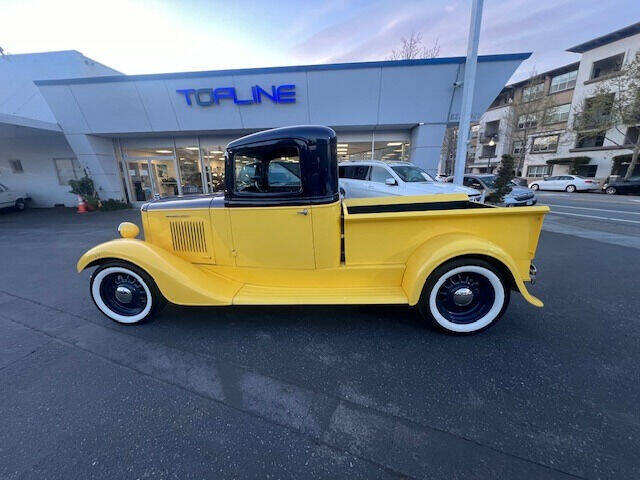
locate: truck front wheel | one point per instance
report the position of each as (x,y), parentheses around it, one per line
(464,296)
(124,293)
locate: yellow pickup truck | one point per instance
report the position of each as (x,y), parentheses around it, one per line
(281,235)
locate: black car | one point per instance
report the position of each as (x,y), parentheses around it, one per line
(621,186)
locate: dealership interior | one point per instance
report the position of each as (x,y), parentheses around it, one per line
(188,165)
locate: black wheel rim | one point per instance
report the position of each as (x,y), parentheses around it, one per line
(479,303)
(134,304)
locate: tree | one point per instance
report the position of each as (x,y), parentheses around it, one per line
(613,108)
(413,47)
(448,151)
(525,116)
(502,184)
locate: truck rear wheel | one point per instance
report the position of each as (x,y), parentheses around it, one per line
(125,293)
(464,296)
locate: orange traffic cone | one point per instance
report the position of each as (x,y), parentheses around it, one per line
(82,206)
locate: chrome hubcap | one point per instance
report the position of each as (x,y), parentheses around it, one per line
(124,295)
(463,296)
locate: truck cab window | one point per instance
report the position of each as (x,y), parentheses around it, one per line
(273,171)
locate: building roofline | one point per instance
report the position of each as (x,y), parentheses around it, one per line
(564,68)
(19,121)
(605,39)
(288,69)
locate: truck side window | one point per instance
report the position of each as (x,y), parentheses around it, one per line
(273,171)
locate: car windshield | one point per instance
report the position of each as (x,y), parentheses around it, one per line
(411,173)
(489,180)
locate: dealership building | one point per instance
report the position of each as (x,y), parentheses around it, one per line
(63,115)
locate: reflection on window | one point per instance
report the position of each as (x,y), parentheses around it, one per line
(532,92)
(189,165)
(538,171)
(273,171)
(545,144)
(559,113)
(411,173)
(528,120)
(563,82)
(150,167)
(67,169)
(213,160)
(387,151)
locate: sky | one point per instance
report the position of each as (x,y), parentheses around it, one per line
(157,36)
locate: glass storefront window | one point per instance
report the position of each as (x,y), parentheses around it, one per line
(189,165)
(213,160)
(150,167)
(391,151)
(167,166)
(385,150)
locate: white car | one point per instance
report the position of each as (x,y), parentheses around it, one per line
(383,179)
(568,183)
(11,198)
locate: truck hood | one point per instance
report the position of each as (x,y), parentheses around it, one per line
(437,187)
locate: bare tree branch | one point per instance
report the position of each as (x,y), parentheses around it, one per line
(413,47)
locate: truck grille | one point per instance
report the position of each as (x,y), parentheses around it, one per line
(188,236)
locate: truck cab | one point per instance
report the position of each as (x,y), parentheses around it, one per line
(281,234)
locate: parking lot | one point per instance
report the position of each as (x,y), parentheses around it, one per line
(323,392)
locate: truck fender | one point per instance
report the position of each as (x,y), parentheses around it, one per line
(433,253)
(180,281)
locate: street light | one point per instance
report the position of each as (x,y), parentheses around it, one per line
(491,144)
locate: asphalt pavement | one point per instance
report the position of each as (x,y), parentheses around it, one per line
(612,219)
(322,392)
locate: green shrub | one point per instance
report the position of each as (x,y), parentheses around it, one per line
(113,204)
(83,187)
(502,185)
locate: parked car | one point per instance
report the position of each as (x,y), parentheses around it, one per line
(622,186)
(568,183)
(381,179)
(457,261)
(12,198)
(520,182)
(518,197)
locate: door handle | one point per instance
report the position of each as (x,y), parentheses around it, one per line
(303,212)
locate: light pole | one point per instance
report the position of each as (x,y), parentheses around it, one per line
(491,144)
(467,91)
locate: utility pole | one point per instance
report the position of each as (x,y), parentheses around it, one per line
(467,91)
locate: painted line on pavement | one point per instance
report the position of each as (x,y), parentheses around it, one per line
(591,208)
(596,217)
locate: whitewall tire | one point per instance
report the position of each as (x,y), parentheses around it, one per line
(125,293)
(464,296)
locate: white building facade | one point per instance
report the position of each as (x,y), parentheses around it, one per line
(602,59)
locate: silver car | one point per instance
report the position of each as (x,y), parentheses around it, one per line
(518,197)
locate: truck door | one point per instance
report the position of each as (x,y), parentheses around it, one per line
(269,231)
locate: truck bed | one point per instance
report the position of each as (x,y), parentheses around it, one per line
(387,230)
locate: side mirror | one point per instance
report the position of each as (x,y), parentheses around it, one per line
(390,181)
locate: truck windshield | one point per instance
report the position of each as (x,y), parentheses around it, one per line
(411,173)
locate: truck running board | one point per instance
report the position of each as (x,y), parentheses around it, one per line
(259,295)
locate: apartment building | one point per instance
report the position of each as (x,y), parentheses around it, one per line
(526,120)
(604,153)
(530,119)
